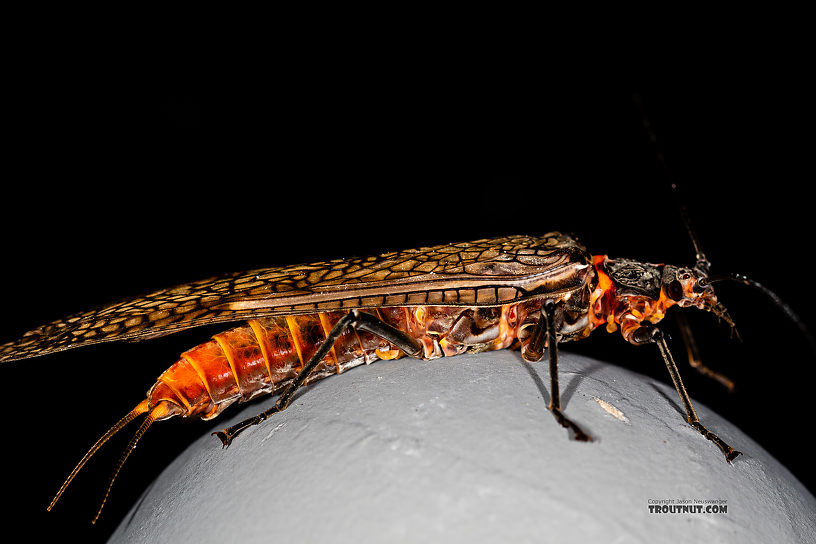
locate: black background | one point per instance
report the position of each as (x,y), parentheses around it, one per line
(130,171)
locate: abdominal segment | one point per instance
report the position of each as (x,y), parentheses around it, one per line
(265,354)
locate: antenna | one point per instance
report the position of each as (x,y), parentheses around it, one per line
(702,263)
(787,310)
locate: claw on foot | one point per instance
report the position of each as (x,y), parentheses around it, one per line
(578,434)
(729,452)
(732,455)
(224,437)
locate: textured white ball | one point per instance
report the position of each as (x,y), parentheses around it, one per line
(464,450)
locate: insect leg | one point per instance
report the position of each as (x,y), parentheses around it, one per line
(354,318)
(694,355)
(548,314)
(533,350)
(653,334)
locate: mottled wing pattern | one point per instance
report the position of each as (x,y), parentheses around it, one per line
(389,279)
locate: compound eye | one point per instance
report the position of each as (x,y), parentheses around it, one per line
(675,290)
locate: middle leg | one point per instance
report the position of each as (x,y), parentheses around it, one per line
(533,351)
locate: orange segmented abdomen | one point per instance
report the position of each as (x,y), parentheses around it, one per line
(254,358)
(162,393)
(348,347)
(246,360)
(182,385)
(277,347)
(214,370)
(308,334)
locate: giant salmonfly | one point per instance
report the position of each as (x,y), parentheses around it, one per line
(306,322)
(521,291)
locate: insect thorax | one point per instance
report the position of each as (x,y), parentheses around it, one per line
(635,278)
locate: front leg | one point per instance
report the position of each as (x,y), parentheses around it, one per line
(651,334)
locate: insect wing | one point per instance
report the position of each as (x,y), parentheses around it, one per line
(480,273)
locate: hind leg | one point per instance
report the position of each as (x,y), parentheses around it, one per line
(354,318)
